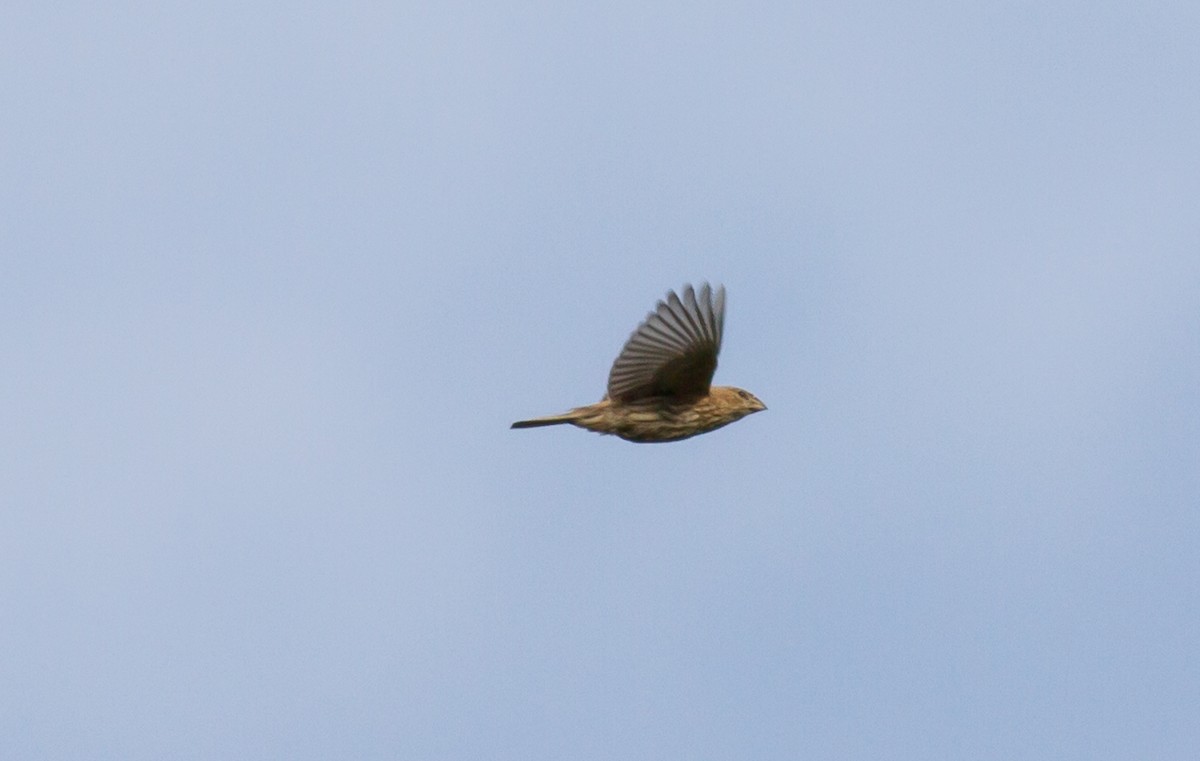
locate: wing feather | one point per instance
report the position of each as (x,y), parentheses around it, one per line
(674,351)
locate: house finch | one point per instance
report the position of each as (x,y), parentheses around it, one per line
(658,388)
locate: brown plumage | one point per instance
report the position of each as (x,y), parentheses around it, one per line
(659,386)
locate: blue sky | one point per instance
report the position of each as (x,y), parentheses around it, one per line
(275,281)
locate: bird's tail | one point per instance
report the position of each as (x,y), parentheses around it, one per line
(538,422)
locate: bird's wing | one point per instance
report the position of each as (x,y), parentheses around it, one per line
(674,352)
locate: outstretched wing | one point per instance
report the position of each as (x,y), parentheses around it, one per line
(674,352)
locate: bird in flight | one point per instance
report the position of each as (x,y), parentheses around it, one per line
(659,388)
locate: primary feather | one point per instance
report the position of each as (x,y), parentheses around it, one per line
(674,351)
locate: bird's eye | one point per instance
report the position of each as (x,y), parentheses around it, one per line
(743,394)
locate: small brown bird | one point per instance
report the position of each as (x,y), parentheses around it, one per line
(659,387)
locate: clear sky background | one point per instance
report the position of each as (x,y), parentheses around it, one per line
(274,282)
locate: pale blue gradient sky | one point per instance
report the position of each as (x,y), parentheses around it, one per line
(274,282)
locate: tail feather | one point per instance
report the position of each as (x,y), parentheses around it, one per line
(538,422)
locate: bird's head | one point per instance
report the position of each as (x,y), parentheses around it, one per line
(738,403)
